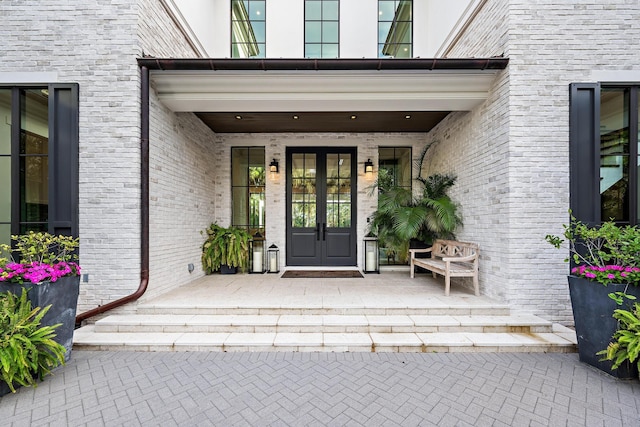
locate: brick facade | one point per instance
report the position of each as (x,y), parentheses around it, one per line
(511,154)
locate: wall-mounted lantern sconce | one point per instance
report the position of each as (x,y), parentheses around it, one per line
(368,167)
(273,166)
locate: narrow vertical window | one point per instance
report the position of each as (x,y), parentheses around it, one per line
(395,28)
(394,170)
(34,160)
(321,28)
(247,186)
(5,166)
(614,154)
(248,28)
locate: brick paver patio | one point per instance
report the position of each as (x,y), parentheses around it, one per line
(372,389)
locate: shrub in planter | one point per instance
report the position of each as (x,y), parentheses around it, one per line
(606,261)
(28,351)
(625,346)
(225,248)
(45,265)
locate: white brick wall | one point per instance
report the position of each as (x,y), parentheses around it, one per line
(511,154)
(95,44)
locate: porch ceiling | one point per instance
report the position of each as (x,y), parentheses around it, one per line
(322,95)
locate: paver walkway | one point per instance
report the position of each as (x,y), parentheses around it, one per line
(335,389)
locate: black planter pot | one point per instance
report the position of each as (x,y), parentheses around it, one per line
(4,388)
(594,322)
(225,269)
(63,297)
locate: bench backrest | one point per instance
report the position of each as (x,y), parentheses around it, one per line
(451,248)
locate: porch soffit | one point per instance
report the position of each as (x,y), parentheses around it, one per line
(268,98)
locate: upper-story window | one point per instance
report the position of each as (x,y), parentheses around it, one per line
(248,28)
(321,28)
(395,28)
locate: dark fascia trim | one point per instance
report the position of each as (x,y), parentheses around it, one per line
(242,64)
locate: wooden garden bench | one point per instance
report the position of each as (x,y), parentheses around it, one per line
(449,258)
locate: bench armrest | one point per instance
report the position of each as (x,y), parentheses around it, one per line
(460,258)
(413,252)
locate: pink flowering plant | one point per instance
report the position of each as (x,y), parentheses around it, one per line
(608,253)
(38,257)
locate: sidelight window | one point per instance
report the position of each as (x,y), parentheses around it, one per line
(248,188)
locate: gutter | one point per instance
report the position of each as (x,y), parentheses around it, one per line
(144,196)
(338,64)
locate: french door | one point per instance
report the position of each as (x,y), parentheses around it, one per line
(321,206)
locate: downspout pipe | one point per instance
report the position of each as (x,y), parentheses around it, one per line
(144,209)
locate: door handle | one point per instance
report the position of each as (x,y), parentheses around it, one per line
(317,231)
(324,231)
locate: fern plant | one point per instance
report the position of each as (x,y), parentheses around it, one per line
(27,350)
(625,343)
(225,246)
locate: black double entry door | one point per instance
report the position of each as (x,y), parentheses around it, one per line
(321,206)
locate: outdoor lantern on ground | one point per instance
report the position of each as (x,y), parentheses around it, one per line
(256,253)
(273,255)
(371,255)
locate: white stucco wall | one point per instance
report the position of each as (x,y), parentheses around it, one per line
(211,22)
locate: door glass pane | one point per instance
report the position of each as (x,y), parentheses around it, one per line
(614,154)
(303,190)
(338,184)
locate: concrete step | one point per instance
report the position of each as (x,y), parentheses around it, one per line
(317,323)
(559,340)
(431,308)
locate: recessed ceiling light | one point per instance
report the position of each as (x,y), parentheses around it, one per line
(353,117)
(238,117)
(295,117)
(408,116)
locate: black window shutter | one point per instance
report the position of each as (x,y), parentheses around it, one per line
(584,151)
(63,159)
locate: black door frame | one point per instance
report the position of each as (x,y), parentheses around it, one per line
(323,235)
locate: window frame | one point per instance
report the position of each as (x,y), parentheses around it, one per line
(249,29)
(380,45)
(322,21)
(585,151)
(62,153)
(247,225)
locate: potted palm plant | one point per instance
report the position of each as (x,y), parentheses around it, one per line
(225,249)
(402,217)
(605,274)
(45,265)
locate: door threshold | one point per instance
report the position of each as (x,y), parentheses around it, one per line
(321,268)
